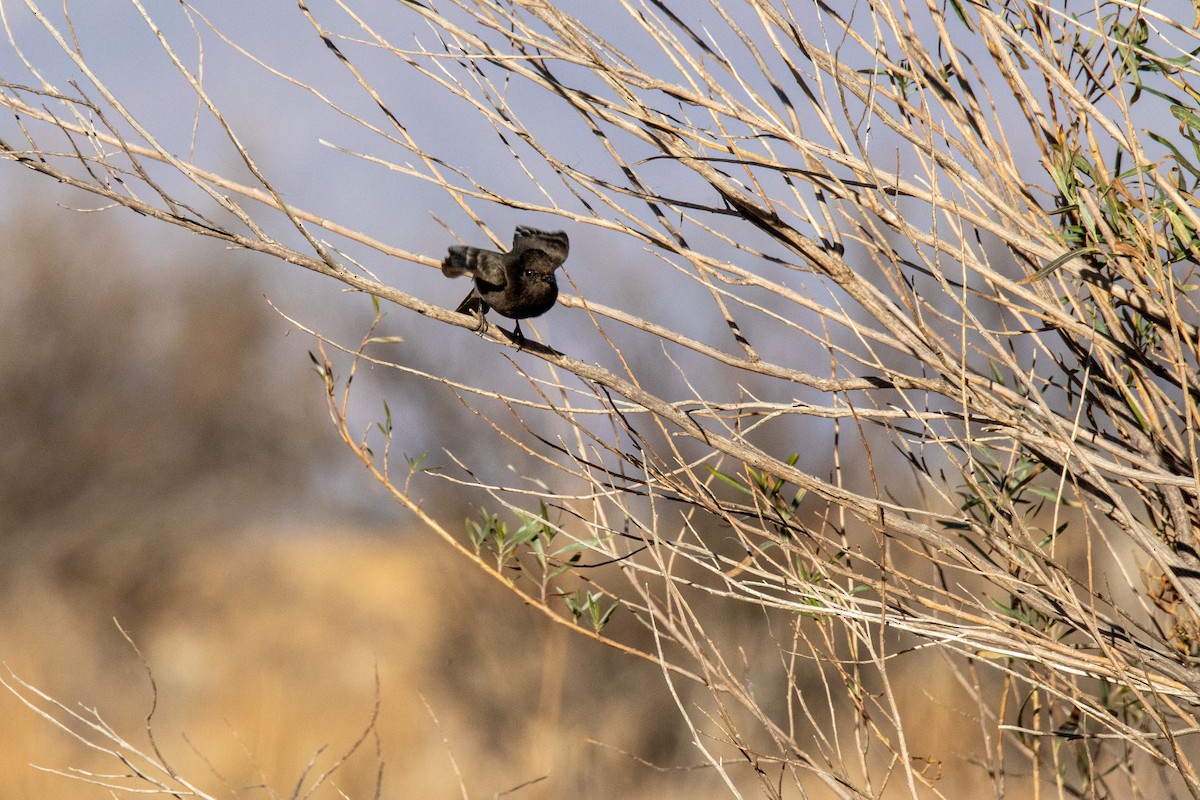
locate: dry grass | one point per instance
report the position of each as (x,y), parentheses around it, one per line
(265,654)
(927,408)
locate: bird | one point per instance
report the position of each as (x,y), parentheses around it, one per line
(518,284)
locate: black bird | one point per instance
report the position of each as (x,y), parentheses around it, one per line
(518,284)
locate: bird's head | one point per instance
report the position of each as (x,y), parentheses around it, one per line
(537,264)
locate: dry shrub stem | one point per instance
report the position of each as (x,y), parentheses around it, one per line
(959,207)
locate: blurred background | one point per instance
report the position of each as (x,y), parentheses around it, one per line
(168,466)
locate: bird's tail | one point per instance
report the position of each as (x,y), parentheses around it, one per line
(471,304)
(460,261)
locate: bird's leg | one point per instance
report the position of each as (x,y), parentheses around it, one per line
(520,337)
(479,309)
(474,305)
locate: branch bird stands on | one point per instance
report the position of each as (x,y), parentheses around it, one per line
(518,284)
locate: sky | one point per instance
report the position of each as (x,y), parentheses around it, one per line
(294,136)
(313,150)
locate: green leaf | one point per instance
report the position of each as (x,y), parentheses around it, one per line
(385,427)
(729,479)
(1058,262)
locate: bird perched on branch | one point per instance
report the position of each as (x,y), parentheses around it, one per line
(518,284)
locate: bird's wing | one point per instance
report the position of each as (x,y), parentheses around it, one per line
(555,244)
(485,265)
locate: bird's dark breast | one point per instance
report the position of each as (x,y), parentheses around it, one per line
(533,297)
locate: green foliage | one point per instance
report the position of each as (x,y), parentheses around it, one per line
(492,534)
(415,462)
(590,605)
(768,493)
(323,369)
